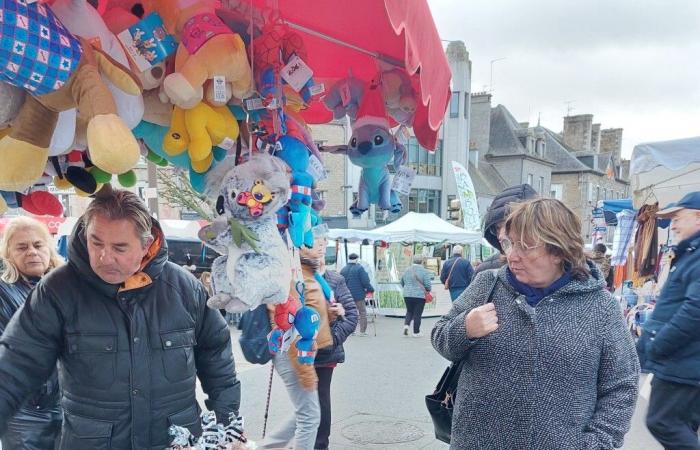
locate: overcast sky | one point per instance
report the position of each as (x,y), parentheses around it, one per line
(633,64)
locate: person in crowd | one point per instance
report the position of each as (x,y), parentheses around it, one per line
(343,320)
(670,341)
(494,219)
(416,282)
(456,273)
(303,384)
(601,258)
(132,333)
(547,361)
(28,253)
(357,281)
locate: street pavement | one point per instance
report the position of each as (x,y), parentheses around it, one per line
(378,393)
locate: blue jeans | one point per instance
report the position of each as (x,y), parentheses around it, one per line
(456,292)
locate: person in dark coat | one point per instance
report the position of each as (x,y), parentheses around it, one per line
(496,216)
(357,280)
(456,273)
(343,316)
(28,253)
(131,330)
(670,341)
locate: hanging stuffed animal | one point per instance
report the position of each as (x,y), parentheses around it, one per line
(344,98)
(372,147)
(399,96)
(61,78)
(255,267)
(208,48)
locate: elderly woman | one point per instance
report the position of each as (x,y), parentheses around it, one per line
(547,362)
(416,282)
(28,253)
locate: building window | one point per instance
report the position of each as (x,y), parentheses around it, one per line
(541,187)
(454,105)
(529,179)
(556,191)
(423,161)
(424,201)
(605,194)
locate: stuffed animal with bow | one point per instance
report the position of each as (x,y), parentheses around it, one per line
(399,96)
(66,76)
(372,147)
(255,266)
(208,48)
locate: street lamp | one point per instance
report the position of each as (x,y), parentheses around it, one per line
(491,74)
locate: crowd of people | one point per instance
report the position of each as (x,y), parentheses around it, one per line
(546,359)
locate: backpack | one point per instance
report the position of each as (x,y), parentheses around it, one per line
(255,326)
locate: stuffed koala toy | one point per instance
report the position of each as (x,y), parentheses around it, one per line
(255,264)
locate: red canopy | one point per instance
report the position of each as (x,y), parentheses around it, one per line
(344,37)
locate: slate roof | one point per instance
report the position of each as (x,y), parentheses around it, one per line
(502,139)
(487,181)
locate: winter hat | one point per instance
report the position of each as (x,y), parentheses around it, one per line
(372,110)
(353,257)
(499,209)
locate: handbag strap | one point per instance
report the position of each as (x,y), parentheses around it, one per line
(447,281)
(420,283)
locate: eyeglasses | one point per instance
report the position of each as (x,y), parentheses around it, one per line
(508,246)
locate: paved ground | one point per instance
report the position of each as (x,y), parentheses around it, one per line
(378,394)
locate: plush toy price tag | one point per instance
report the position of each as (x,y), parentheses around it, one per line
(296,73)
(316,169)
(147,43)
(317,89)
(227,144)
(220,89)
(403,180)
(254,103)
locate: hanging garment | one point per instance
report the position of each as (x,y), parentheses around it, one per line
(646,241)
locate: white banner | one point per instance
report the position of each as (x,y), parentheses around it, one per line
(467,198)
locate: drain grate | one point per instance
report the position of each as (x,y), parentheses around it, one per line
(382,432)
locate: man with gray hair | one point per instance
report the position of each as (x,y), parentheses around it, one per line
(131,331)
(456,273)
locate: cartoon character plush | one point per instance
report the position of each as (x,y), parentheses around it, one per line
(399,96)
(372,147)
(344,98)
(208,48)
(255,266)
(63,77)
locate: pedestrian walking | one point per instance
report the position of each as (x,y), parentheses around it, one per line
(416,283)
(132,333)
(546,360)
(28,254)
(357,280)
(456,273)
(670,343)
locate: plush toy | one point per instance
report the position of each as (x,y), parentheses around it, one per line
(255,267)
(198,130)
(344,97)
(81,19)
(11,100)
(69,78)
(294,318)
(399,96)
(372,147)
(208,48)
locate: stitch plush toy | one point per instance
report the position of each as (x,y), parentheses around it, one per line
(255,267)
(61,78)
(208,48)
(372,147)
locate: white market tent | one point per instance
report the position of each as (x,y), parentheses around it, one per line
(413,227)
(665,171)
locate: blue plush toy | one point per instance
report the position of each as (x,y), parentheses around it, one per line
(372,147)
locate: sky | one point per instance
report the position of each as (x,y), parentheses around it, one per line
(633,64)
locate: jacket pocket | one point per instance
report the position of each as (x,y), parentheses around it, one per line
(84,433)
(187,418)
(92,358)
(178,354)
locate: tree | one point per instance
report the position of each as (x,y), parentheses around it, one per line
(176,190)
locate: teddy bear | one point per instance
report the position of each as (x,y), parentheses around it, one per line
(69,77)
(255,266)
(207,48)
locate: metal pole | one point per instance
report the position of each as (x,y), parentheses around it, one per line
(491,74)
(153,185)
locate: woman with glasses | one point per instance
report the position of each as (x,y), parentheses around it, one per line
(546,360)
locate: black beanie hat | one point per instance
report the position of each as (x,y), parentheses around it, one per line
(498,211)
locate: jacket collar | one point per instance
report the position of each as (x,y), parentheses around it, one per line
(595,282)
(151,266)
(688,245)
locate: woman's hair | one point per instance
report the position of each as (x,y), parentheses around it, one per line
(552,223)
(11,273)
(418,259)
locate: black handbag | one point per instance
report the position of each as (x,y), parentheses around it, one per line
(441,402)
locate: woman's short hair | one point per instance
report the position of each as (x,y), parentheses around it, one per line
(119,204)
(552,223)
(10,272)
(418,259)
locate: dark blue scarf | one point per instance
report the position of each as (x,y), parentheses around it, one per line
(534,295)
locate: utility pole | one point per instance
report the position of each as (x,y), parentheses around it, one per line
(152,191)
(491,74)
